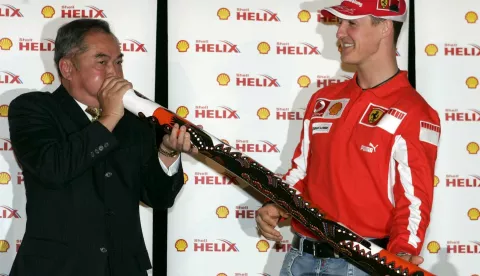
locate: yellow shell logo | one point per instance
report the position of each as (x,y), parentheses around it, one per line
(222,212)
(303,81)
(221,274)
(335,109)
(436,180)
(3,110)
(47,78)
(48,11)
(473,214)
(185,178)
(263,48)
(472,147)
(433,247)
(6,43)
(263,246)
(304,16)
(471,82)
(182,46)
(471,17)
(263,113)
(225,141)
(4,246)
(181,245)
(431,49)
(223,14)
(223,79)
(182,111)
(5,178)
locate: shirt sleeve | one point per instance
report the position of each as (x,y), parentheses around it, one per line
(415,154)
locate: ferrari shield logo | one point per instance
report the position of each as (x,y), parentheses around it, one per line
(375,115)
(384,3)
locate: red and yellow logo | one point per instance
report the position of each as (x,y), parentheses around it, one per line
(431,49)
(471,82)
(433,247)
(185,178)
(181,245)
(3,110)
(182,111)
(472,148)
(471,17)
(4,246)
(10,11)
(263,48)
(304,81)
(223,14)
(304,16)
(263,246)
(5,178)
(263,113)
(48,12)
(182,46)
(473,214)
(436,180)
(6,44)
(223,79)
(222,212)
(47,78)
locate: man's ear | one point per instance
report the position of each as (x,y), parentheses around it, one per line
(66,67)
(387,28)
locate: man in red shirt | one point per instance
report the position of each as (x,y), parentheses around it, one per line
(367,151)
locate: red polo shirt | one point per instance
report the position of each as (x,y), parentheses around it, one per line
(367,158)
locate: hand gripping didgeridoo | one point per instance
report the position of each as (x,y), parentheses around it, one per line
(365,254)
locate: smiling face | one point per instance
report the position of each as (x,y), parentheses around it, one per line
(360,40)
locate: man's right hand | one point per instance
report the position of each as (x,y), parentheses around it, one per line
(267,219)
(110,98)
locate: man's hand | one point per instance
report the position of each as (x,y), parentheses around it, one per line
(178,140)
(110,96)
(267,219)
(416,260)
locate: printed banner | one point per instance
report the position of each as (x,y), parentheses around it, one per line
(27,40)
(243,70)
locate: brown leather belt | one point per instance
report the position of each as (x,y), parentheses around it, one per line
(323,250)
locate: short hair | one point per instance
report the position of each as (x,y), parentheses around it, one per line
(70,37)
(397,27)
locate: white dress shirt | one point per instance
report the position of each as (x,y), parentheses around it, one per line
(169,171)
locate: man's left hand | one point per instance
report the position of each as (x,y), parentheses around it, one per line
(178,140)
(416,260)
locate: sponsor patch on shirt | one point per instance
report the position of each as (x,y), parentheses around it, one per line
(321,127)
(387,119)
(329,109)
(429,133)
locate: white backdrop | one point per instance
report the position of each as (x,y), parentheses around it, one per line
(447,66)
(27,34)
(244,70)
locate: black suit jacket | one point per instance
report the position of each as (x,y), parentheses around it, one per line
(83,187)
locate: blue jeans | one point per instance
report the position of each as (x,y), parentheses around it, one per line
(298,263)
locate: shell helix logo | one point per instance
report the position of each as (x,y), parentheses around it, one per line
(304,16)
(182,111)
(431,50)
(185,178)
(473,214)
(47,78)
(436,180)
(471,82)
(471,17)
(263,246)
(181,245)
(5,178)
(304,81)
(263,48)
(223,79)
(4,246)
(433,247)
(223,14)
(10,11)
(3,110)
(472,147)
(222,212)
(48,12)
(182,46)
(6,44)
(263,113)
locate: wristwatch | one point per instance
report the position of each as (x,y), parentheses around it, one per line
(166,153)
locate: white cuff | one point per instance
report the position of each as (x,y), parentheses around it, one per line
(173,168)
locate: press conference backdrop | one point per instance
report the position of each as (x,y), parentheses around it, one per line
(244,71)
(447,66)
(27,34)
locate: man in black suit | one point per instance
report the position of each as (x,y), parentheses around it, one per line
(84,179)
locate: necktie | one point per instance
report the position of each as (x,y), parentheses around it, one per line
(94,111)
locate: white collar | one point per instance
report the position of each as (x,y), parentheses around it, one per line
(84,107)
